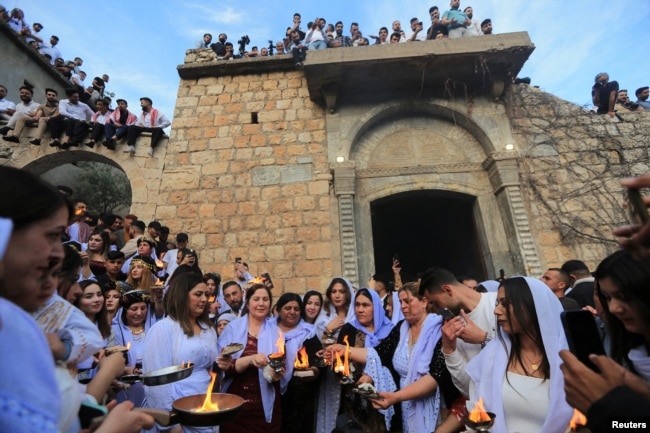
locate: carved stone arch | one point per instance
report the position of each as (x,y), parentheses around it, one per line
(470,161)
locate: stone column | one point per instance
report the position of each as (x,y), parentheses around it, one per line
(344,186)
(503,172)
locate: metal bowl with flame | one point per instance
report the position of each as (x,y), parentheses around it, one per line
(185,411)
(480,426)
(162,376)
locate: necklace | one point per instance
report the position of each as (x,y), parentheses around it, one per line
(533,365)
(136,332)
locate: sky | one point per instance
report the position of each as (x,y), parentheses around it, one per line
(140,43)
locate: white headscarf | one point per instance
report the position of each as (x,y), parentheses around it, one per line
(487,370)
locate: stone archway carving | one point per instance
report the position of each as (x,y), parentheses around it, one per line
(469,159)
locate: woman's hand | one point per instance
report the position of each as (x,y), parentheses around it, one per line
(331,350)
(334,325)
(364,379)
(385,400)
(259,360)
(225,362)
(583,386)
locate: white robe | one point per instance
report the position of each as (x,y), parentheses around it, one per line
(167,345)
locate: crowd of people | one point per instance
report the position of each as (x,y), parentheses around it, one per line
(318,35)
(609,99)
(117,298)
(86,116)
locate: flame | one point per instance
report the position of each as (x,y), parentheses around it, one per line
(338,363)
(128,345)
(279,343)
(159,282)
(578,420)
(346,359)
(211,299)
(208,405)
(78,212)
(159,265)
(478,414)
(302,360)
(257,280)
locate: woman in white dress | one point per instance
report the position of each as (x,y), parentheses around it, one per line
(186,334)
(518,374)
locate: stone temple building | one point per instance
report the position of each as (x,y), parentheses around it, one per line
(426,151)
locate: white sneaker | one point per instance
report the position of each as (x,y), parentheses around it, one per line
(130,149)
(150,151)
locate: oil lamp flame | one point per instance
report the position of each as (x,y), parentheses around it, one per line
(208,404)
(478,414)
(159,265)
(159,282)
(338,363)
(577,421)
(302,360)
(128,345)
(346,358)
(279,343)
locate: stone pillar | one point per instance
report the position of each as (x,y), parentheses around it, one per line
(344,186)
(503,172)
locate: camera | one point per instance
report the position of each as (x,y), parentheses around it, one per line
(271,47)
(243,41)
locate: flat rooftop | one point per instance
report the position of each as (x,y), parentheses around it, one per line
(428,68)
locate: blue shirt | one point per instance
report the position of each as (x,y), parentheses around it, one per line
(455,14)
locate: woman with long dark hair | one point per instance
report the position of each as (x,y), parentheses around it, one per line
(622,284)
(99,243)
(186,334)
(336,312)
(312,305)
(298,392)
(518,374)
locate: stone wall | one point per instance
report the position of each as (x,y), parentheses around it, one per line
(246,175)
(571,162)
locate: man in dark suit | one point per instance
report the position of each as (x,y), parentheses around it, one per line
(582,282)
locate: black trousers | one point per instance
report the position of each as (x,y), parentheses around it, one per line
(134,131)
(97,131)
(75,129)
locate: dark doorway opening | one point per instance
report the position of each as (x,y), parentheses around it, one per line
(426,228)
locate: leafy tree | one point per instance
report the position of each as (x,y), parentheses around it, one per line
(106,188)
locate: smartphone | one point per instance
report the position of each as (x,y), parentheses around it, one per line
(88,412)
(447,314)
(237,259)
(396,257)
(582,335)
(637,209)
(267,281)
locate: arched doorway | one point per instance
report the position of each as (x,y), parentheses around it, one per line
(100,181)
(426,228)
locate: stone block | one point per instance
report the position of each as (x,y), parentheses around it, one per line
(304,203)
(282,270)
(226,209)
(246,208)
(307,234)
(291,219)
(320,250)
(188,210)
(308,268)
(275,253)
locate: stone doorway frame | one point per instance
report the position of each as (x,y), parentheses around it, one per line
(500,212)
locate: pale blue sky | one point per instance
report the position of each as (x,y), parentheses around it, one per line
(140,43)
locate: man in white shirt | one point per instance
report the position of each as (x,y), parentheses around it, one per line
(418,33)
(473,324)
(73,119)
(474,27)
(151,120)
(25,108)
(169,261)
(52,51)
(7,107)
